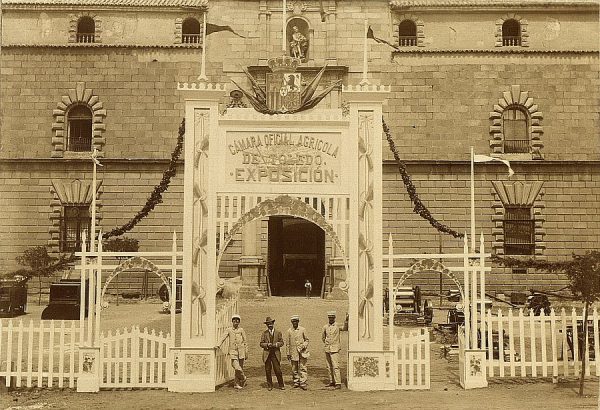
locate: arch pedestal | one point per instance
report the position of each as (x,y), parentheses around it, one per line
(309,165)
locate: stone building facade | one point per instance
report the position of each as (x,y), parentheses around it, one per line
(514,79)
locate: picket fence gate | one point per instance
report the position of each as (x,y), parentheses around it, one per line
(413,360)
(134,359)
(224,372)
(541,346)
(44,355)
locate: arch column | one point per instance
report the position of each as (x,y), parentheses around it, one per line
(192,364)
(369,367)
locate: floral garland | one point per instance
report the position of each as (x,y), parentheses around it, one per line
(419,208)
(156,196)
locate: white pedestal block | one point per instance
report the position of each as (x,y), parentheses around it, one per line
(89,378)
(371,371)
(191,370)
(472,370)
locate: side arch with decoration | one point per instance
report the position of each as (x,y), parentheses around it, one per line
(284,205)
(137,262)
(429,265)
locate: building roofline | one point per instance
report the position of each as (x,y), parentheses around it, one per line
(196,4)
(403,5)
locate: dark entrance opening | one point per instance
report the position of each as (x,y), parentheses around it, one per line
(296,253)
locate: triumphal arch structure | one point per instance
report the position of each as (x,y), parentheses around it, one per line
(243,165)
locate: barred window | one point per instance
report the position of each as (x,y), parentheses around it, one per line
(86,30)
(75,221)
(190,31)
(79,129)
(519,233)
(407,33)
(516,131)
(511,33)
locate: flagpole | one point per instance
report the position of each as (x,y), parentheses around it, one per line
(93,222)
(202,75)
(364,80)
(284,29)
(472,202)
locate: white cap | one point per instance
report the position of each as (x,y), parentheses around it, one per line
(295,317)
(331,313)
(236,316)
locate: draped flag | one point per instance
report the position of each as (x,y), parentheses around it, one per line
(485,158)
(214,28)
(371,35)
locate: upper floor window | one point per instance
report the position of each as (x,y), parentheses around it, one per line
(190,31)
(86,30)
(407,33)
(519,230)
(75,221)
(515,130)
(79,129)
(511,33)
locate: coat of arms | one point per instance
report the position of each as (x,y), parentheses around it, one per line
(284,91)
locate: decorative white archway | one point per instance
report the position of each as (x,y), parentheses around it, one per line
(430,265)
(242,165)
(136,262)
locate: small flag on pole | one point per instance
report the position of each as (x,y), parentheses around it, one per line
(371,35)
(485,158)
(214,28)
(95,158)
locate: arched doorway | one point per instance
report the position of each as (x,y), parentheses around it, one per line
(296,252)
(296,244)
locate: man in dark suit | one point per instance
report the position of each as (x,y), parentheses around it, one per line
(271,341)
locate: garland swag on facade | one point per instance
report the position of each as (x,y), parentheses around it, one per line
(156,196)
(419,208)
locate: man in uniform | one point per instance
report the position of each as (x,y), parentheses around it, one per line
(297,352)
(331,340)
(270,341)
(238,348)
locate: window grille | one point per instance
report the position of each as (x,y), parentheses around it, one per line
(516,131)
(190,31)
(86,30)
(75,221)
(407,33)
(519,231)
(511,33)
(79,129)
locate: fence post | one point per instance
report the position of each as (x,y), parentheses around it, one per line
(554,346)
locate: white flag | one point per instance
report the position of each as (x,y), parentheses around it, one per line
(485,158)
(95,157)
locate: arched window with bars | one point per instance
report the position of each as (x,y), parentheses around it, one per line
(515,128)
(79,129)
(511,33)
(190,31)
(407,33)
(86,30)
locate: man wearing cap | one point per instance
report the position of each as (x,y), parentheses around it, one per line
(270,341)
(331,340)
(238,348)
(297,352)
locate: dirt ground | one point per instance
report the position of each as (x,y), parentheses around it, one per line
(445,392)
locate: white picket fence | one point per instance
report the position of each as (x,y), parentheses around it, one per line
(526,345)
(413,360)
(224,371)
(41,355)
(134,359)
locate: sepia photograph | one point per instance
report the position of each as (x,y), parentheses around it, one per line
(328,204)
